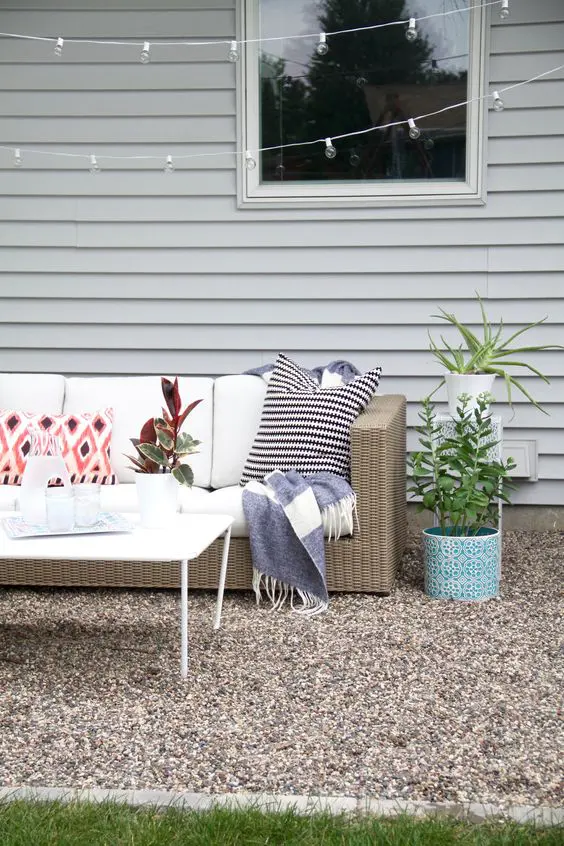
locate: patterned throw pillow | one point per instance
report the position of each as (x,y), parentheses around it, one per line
(305,427)
(84,440)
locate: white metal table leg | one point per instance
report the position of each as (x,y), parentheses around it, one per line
(222,575)
(184,618)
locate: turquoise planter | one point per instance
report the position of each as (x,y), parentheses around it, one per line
(461,567)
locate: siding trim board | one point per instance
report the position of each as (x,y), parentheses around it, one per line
(137,272)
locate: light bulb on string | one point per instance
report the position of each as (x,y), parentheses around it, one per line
(414,131)
(504,11)
(145,56)
(18,161)
(330,151)
(94,166)
(322,48)
(428,143)
(233,54)
(169,165)
(250,161)
(361,81)
(411,31)
(58,51)
(498,103)
(354,158)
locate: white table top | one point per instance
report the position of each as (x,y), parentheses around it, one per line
(186,538)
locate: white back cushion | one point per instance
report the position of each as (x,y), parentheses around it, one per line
(37,392)
(135,399)
(237,407)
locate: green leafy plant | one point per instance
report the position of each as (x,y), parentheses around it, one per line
(161,446)
(490,354)
(454,475)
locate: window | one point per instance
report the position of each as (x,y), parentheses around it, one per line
(291,94)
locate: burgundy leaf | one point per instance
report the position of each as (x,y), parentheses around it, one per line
(148,434)
(177,400)
(168,393)
(187,411)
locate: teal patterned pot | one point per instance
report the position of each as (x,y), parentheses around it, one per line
(461,566)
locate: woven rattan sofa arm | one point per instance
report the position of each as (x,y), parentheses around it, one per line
(378,476)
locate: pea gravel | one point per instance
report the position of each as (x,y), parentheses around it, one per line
(391,697)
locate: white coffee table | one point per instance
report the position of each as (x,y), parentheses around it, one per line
(183,540)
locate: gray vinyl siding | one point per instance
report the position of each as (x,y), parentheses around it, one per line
(135,271)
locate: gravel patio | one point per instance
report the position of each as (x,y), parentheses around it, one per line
(399,696)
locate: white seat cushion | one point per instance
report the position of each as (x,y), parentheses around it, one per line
(237,407)
(137,398)
(37,392)
(123,497)
(222,501)
(8,497)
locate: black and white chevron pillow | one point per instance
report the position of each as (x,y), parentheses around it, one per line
(305,427)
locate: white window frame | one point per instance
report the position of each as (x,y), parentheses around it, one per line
(251,193)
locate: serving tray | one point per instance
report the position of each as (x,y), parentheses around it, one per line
(16,527)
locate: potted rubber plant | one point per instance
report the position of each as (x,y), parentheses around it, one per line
(473,366)
(160,461)
(459,477)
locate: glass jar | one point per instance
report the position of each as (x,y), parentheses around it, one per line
(86,504)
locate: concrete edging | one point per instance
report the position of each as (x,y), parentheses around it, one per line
(471,811)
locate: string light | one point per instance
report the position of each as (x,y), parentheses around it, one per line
(233,54)
(250,161)
(322,48)
(322,36)
(414,131)
(498,103)
(354,159)
(145,56)
(18,161)
(411,31)
(169,165)
(504,11)
(248,155)
(330,151)
(58,51)
(94,166)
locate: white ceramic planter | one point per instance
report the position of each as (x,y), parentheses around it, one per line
(466,383)
(157,495)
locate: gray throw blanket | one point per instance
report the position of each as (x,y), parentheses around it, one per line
(327,375)
(285,517)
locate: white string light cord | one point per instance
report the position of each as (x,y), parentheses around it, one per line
(233,45)
(248,156)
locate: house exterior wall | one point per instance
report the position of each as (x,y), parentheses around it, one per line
(135,271)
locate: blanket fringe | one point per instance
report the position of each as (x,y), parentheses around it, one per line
(339,517)
(277,592)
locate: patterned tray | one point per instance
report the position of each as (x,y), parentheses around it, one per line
(16,527)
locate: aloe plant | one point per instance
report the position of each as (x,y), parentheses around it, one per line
(490,354)
(161,446)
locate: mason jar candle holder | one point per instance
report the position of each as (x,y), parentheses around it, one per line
(59,503)
(86,504)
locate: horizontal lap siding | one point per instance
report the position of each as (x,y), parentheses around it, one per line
(133,271)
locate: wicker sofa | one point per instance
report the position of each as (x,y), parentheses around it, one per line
(226,423)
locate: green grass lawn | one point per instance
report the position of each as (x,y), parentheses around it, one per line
(109,824)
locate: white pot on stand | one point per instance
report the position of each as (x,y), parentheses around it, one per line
(157,495)
(467,383)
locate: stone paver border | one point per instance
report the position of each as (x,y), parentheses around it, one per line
(471,811)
